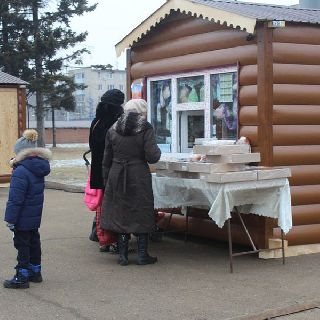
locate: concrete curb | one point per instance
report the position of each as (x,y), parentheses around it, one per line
(64,187)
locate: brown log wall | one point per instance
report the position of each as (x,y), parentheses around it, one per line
(187,44)
(283,74)
(178,26)
(215,40)
(209,59)
(296,123)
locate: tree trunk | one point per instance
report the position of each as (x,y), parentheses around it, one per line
(5,37)
(38,67)
(54,133)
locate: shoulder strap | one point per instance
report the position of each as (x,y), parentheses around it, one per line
(95,125)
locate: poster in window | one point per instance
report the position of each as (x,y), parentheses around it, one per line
(161,112)
(137,89)
(225,105)
(191,89)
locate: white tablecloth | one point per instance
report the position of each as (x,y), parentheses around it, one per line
(269,198)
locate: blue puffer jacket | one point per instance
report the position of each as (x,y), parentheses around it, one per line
(26,195)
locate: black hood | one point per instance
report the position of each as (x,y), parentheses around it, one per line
(131,124)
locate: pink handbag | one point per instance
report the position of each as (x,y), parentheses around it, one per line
(92,197)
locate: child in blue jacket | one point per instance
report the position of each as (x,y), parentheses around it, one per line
(24,208)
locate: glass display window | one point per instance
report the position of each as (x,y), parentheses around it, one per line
(187,106)
(190,89)
(161,112)
(224,103)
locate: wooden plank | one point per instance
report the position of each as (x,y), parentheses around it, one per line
(296,155)
(129,78)
(291,251)
(295,114)
(296,94)
(215,40)
(8,127)
(291,135)
(265,93)
(22,111)
(195,61)
(293,53)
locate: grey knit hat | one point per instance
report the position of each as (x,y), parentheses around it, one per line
(27,141)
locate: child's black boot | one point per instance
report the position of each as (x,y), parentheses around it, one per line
(35,273)
(19,281)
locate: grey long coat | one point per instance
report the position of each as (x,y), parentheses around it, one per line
(128,205)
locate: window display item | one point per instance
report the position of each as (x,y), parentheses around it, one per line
(161,112)
(191,89)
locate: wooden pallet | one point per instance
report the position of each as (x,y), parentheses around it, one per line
(290,251)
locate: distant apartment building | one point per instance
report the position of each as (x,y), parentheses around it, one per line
(97,80)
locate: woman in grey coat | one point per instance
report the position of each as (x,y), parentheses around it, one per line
(128,204)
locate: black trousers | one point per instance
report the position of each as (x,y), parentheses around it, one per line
(29,248)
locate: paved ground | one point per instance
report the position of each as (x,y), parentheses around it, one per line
(190,282)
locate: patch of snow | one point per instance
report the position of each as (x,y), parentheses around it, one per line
(70,145)
(67,163)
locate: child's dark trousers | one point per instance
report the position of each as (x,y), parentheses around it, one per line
(29,248)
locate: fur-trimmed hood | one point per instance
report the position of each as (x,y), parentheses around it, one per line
(131,124)
(35,160)
(43,153)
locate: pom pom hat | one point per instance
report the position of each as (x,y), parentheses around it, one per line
(27,141)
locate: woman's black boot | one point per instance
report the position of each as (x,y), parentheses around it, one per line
(143,256)
(123,243)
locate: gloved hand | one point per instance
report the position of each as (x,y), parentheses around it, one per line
(10,226)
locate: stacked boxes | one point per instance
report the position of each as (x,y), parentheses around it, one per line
(220,163)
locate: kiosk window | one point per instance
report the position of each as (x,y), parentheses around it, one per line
(191,89)
(224,101)
(161,112)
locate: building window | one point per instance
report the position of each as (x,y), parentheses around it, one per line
(80,75)
(100,87)
(161,113)
(190,89)
(109,75)
(79,98)
(121,87)
(224,101)
(110,86)
(187,106)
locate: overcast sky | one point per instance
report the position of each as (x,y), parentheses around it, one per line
(114,19)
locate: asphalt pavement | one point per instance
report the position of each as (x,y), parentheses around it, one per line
(190,282)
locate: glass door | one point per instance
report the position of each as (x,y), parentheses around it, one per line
(191,126)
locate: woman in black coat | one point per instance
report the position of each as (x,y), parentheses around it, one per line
(108,111)
(128,201)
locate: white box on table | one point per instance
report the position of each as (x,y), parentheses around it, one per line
(273,173)
(215,167)
(177,166)
(162,165)
(234,158)
(178,174)
(229,176)
(221,149)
